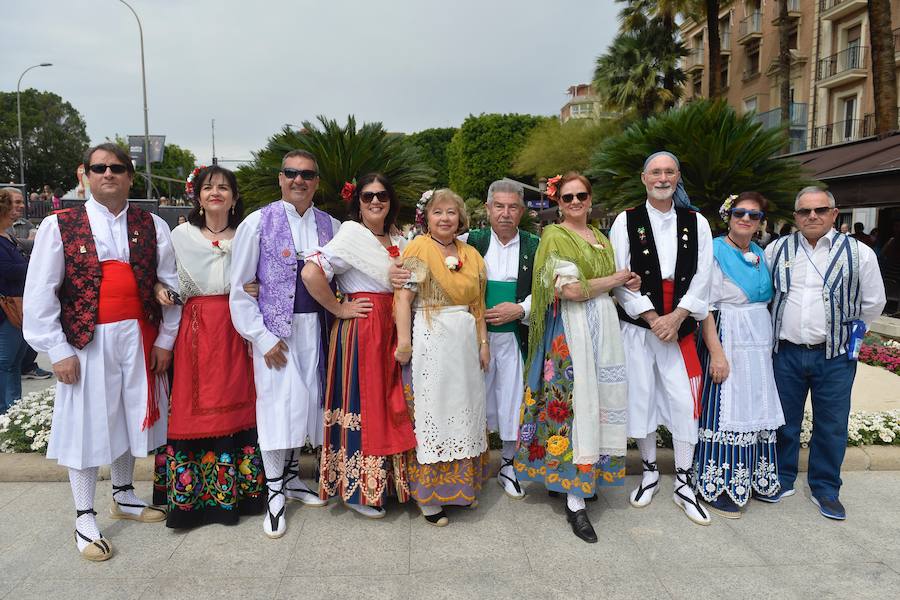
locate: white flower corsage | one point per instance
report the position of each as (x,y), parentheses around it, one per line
(725,209)
(453,263)
(751,258)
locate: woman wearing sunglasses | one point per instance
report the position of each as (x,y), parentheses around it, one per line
(367,426)
(572,434)
(735,453)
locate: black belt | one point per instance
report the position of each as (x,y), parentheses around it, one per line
(814,347)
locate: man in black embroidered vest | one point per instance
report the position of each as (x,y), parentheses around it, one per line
(89,304)
(828,289)
(670,247)
(509,255)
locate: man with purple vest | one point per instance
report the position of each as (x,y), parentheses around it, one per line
(286,327)
(89,305)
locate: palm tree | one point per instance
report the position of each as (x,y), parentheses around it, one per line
(784,66)
(343,153)
(638,15)
(721,153)
(710,9)
(634,72)
(884,77)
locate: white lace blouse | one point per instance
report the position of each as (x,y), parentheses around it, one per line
(204,266)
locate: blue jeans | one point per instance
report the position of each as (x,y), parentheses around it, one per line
(12,349)
(799,370)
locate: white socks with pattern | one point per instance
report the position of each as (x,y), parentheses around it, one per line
(84,484)
(575,503)
(273,464)
(121,472)
(647,446)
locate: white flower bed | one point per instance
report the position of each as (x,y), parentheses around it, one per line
(26,425)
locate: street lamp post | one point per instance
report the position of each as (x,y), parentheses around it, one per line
(19,118)
(146,123)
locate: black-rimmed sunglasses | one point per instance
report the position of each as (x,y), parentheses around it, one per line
(382,195)
(582,196)
(101,168)
(305,174)
(740,213)
(819,210)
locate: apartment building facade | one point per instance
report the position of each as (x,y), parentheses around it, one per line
(831,89)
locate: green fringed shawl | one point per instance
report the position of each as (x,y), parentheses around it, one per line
(559,243)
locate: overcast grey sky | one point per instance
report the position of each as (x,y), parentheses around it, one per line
(254,66)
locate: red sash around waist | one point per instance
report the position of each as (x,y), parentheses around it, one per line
(119,301)
(688,347)
(387,428)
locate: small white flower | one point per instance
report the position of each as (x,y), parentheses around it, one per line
(452,263)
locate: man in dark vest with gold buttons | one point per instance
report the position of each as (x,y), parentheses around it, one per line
(670,246)
(89,305)
(509,255)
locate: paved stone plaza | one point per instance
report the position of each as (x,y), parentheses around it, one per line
(503,549)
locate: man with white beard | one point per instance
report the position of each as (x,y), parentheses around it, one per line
(670,247)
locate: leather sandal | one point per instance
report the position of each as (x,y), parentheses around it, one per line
(637,498)
(97,550)
(148,514)
(686,500)
(516,492)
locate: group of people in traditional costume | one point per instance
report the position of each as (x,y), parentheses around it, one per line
(394,359)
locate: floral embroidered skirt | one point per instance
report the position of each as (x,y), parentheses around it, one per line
(545,453)
(345,470)
(210,480)
(455,483)
(728,461)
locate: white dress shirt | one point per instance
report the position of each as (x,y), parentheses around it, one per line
(803,320)
(664,225)
(502,262)
(245,313)
(46,272)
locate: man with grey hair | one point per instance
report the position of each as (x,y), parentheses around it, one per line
(828,289)
(509,255)
(670,246)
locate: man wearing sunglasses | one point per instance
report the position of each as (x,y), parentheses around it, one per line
(89,304)
(509,255)
(670,247)
(286,327)
(828,289)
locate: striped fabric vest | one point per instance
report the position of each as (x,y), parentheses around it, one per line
(840,292)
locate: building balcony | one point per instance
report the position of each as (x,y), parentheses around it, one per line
(846,66)
(897,45)
(843,131)
(832,10)
(798,115)
(725,42)
(694,60)
(750,28)
(793,10)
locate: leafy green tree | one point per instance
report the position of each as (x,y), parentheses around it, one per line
(721,153)
(177,163)
(484,148)
(553,148)
(343,153)
(433,145)
(54,134)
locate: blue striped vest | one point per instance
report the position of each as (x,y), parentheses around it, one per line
(840,292)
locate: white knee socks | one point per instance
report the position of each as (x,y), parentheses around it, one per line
(684,455)
(84,484)
(647,446)
(273,463)
(121,472)
(509,450)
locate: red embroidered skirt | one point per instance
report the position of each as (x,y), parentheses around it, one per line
(212,391)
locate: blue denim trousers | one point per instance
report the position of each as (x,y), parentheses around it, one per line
(12,349)
(799,371)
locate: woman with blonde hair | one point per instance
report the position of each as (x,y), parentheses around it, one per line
(446,342)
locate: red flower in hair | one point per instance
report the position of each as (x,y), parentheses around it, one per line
(347,191)
(393,251)
(552,184)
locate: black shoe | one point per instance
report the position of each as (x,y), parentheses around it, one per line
(581,525)
(553,494)
(830,507)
